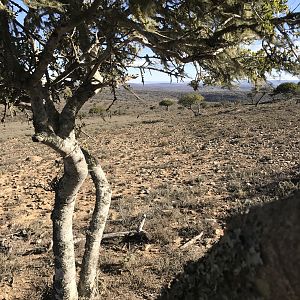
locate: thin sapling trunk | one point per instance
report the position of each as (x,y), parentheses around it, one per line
(94,235)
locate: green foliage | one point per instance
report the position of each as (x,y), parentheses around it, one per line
(97,110)
(192,101)
(78,48)
(65,94)
(85,46)
(35,4)
(188,100)
(166,103)
(287,87)
(144,11)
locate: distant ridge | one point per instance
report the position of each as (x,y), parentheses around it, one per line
(184,87)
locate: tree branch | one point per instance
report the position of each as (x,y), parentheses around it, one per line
(73,105)
(11,60)
(47,54)
(291,19)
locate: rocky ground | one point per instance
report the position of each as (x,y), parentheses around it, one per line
(190,176)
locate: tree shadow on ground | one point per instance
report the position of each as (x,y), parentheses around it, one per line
(257,258)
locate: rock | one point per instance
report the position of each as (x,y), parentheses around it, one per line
(257,258)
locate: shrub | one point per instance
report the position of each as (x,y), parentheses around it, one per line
(287,87)
(190,101)
(97,110)
(166,103)
(194,84)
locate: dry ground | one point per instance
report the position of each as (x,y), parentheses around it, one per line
(187,174)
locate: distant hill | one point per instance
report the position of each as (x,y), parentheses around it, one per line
(174,90)
(184,87)
(210,93)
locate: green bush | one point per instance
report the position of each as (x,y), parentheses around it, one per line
(287,87)
(97,110)
(188,100)
(192,101)
(166,103)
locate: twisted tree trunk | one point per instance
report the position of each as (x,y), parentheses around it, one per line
(57,131)
(75,172)
(94,235)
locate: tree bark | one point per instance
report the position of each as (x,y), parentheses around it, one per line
(75,172)
(94,234)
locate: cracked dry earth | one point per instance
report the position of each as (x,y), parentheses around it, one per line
(188,175)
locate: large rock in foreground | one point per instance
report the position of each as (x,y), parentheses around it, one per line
(257,258)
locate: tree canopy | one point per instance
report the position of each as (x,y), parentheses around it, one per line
(86,45)
(190,99)
(166,103)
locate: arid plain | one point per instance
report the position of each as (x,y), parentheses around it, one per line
(189,175)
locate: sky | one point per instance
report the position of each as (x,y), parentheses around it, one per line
(155,77)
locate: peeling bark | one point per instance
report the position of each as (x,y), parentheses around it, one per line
(75,166)
(94,235)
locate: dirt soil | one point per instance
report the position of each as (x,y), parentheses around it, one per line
(189,175)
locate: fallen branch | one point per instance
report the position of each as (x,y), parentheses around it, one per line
(126,233)
(112,235)
(138,232)
(192,241)
(140,228)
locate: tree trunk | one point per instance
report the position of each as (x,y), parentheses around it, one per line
(260,98)
(75,172)
(196,112)
(94,235)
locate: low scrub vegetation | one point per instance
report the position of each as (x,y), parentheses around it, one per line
(97,110)
(287,87)
(166,103)
(192,101)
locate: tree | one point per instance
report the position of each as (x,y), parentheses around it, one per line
(192,101)
(286,89)
(166,103)
(259,93)
(86,45)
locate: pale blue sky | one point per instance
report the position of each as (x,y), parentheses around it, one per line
(154,76)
